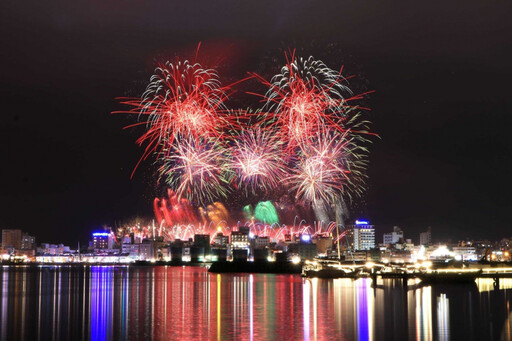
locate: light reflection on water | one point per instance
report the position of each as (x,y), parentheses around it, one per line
(115,303)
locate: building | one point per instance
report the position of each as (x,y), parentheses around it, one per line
(305,248)
(240,240)
(132,250)
(146,250)
(203,240)
(361,236)
(48,249)
(220,240)
(102,241)
(393,237)
(11,239)
(28,242)
(261,242)
(426,237)
(324,245)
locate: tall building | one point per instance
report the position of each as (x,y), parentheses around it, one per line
(11,238)
(426,237)
(361,236)
(393,237)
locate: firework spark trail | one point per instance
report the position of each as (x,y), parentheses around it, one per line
(181,100)
(194,169)
(257,160)
(173,211)
(305,97)
(322,169)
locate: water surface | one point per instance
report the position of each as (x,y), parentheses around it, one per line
(161,303)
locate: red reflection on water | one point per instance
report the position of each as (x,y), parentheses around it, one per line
(188,303)
(161,303)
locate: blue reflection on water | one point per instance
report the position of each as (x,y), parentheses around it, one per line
(100,302)
(362,310)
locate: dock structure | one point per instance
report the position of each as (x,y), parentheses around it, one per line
(425,271)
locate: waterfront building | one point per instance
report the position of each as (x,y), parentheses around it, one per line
(465,253)
(220,240)
(393,237)
(132,250)
(324,245)
(146,250)
(361,235)
(305,249)
(53,249)
(102,241)
(203,240)
(260,242)
(240,240)
(11,238)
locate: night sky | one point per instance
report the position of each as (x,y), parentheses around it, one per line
(441,71)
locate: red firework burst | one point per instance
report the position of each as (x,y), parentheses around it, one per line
(306,97)
(182,100)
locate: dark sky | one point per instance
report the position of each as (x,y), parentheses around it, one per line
(441,71)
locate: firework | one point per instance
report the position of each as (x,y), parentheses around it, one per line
(307,139)
(306,97)
(194,170)
(303,101)
(172,211)
(257,160)
(322,169)
(182,100)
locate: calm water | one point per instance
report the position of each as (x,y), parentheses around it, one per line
(161,303)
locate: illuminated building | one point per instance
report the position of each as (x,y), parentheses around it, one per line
(220,240)
(465,253)
(393,237)
(361,236)
(261,242)
(240,238)
(48,249)
(132,250)
(11,239)
(146,250)
(102,241)
(305,249)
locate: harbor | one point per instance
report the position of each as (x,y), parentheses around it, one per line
(428,272)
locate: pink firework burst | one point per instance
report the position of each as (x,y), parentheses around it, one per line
(194,170)
(257,160)
(323,168)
